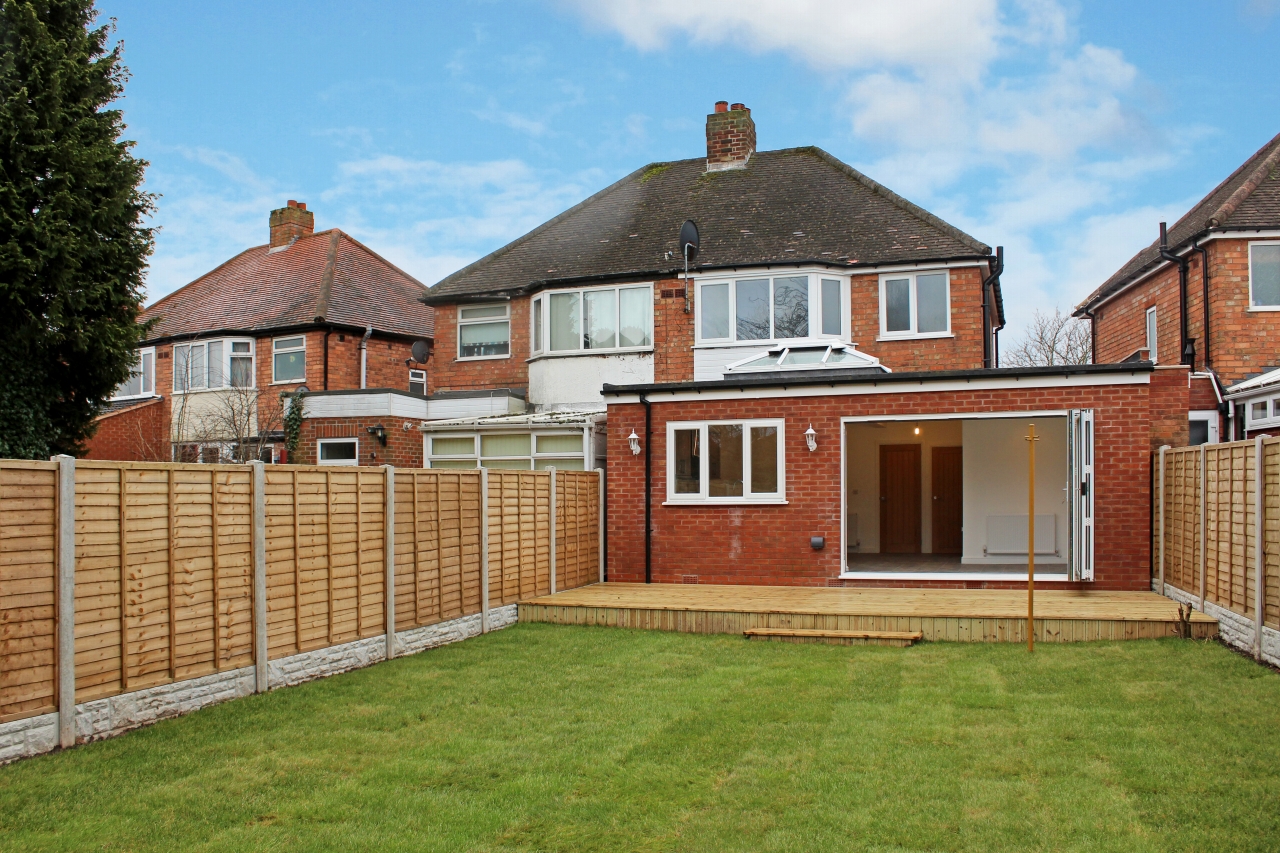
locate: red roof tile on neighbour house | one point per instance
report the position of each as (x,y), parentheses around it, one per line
(326,277)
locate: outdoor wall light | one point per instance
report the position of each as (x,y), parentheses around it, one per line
(917,430)
(379,432)
(634,441)
(811,438)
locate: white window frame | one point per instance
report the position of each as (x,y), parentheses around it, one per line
(541,305)
(475,321)
(912,334)
(252,355)
(553,456)
(1209,415)
(1272,402)
(275,350)
(473,456)
(421,377)
(702,498)
(343,462)
(536,459)
(1152,329)
(148,390)
(815,307)
(1253,307)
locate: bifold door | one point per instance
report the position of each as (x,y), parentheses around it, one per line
(1080,449)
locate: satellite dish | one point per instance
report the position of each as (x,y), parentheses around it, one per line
(689,240)
(421,351)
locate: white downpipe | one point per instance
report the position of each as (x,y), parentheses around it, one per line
(364,356)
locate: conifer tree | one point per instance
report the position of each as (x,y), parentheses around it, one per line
(73,244)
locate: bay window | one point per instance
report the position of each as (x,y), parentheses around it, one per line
(1264,276)
(210,365)
(594,319)
(142,379)
(484,331)
(785,307)
(725,462)
(915,305)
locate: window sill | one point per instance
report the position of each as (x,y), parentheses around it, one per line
(590,353)
(728,502)
(925,337)
(215,390)
(773,344)
(1262,309)
(481,357)
(288,382)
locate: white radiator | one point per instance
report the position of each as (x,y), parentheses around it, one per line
(1007,534)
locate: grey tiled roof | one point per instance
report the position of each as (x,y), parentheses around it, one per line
(797,205)
(1249,198)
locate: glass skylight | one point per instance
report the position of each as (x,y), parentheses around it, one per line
(816,356)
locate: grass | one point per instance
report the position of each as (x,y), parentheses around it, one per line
(545,737)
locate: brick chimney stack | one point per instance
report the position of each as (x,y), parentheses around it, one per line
(731,137)
(291,222)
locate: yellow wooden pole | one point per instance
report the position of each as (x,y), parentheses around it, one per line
(1032,438)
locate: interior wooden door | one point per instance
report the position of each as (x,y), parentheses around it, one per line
(947,500)
(899,499)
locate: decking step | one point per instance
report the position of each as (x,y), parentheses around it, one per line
(846,638)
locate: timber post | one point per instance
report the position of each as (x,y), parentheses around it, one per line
(600,533)
(1163,449)
(1259,547)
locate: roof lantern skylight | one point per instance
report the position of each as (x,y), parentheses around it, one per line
(818,355)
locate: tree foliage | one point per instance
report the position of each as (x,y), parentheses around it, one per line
(73,247)
(1051,339)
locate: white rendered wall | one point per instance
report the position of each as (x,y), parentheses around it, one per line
(573,382)
(995,480)
(862,476)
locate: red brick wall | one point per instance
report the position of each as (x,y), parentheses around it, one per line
(672,333)
(403,450)
(137,434)
(962,351)
(450,374)
(1241,342)
(1170,398)
(770,544)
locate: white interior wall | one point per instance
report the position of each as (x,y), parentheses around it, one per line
(862,475)
(995,480)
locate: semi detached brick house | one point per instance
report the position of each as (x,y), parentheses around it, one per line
(1223,327)
(308,311)
(816,402)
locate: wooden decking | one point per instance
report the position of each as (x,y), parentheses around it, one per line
(964,615)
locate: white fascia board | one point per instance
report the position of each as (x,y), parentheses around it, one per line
(372,405)
(1261,384)
(885,389)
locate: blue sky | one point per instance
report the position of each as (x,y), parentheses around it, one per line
(436,132)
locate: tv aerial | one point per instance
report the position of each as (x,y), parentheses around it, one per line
(688,248)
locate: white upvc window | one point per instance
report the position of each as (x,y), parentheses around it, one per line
(418,382)
(1153,333)
(1260,413)
(520,451)
(1202,427)
(484,331)
(211,365)
(1264,276)
(731,462)
(142,380)
(915,304)
(594,319)
(338,451)
(289,360)
(766,308)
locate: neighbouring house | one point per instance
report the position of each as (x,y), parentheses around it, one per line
(1224,327)
(816,402)
(308,311)
(801,256)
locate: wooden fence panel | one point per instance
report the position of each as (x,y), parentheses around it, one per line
(28,571)
(1224,494)
(164,563)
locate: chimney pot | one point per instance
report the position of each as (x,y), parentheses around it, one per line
(722,106)
(731,138)
(290,222)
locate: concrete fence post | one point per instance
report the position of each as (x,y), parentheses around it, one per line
(600,532)
(66,600)
(1163,448)
(484,550)
(389,558)
(1259,548)
(1204,513)
(552,472)
(261,682)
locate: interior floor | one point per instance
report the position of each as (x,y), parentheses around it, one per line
(858,562)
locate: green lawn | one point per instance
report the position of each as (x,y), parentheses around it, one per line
(545,737)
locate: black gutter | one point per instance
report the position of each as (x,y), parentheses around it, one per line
(1093,335)
(1204,280)
(276,331)
(1185,346)
(648,501)
(919,377)
(988,333)
(674,272)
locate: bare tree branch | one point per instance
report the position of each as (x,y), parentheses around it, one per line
(1051,339)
